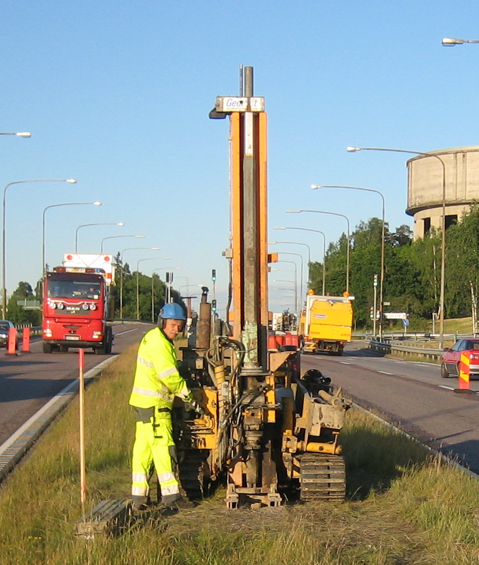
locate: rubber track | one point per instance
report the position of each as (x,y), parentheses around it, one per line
(194,476)
(323,477)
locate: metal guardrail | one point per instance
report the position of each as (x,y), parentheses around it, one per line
(413,336)
(428,352)
(34,330)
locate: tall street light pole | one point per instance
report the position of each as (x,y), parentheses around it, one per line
(296,243)
(295,285)
(295,282)
(443,224)
(324,249)
(347,243)
(121,273)
(43,226)
(121,224)
(114,237)
(301,270)
(138,281)
(383,236)
(4,283)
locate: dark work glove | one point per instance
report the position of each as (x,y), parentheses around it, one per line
(194,405)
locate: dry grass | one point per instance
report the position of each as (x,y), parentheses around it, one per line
(402,508)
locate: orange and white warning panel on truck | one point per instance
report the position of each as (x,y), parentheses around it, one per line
(91,261)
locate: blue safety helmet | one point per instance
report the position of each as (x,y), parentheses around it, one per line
(171,311)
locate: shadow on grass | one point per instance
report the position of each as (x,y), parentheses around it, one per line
(375,458)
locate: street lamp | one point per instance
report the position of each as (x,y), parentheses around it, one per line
(18,134)
(121,273)
(296,243)
(301,270)
(4,289)
(283,296)
(43,225)
(443,223)
(187,285)
(347,243)
(121,224)
(295,282)
(383,235)
(324,248)
(451,41)
(115,236)
(293,289)
(138,281)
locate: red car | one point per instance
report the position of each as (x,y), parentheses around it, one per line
(452,357)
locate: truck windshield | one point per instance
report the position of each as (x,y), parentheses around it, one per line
(74,289)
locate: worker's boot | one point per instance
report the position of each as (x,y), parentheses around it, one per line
(140,503)
(177,502)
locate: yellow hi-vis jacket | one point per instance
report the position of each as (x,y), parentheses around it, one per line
(157,380)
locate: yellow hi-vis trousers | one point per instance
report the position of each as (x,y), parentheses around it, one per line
(154,442)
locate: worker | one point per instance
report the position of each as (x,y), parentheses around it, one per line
(157,381)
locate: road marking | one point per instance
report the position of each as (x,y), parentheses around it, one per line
(385,373)
(345,363)
(126,332)
(446,387)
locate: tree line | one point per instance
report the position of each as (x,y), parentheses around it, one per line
(412,270)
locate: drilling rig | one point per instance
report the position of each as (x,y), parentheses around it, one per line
(265,428)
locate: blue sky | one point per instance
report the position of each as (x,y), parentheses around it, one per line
(117,95)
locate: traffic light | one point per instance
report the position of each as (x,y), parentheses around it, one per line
(375,283)
(371,312)
(213,305)
(213,275)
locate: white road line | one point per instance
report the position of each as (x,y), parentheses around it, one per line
(66,392)
(385,373)
(127,331)
(345,363)
(446,387)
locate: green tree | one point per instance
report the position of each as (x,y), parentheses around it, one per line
(17,313)
(462,261)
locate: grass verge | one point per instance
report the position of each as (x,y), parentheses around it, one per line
(403,506)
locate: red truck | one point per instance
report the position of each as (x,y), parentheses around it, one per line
(76,304)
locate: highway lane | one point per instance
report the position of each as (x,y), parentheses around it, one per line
(409,394)
(30,380)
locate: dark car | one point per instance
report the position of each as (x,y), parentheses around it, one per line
(452,357)
(5,325)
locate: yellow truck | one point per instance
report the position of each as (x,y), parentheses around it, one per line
(326,324)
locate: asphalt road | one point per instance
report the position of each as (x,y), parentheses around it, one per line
(411,395)
(29,380)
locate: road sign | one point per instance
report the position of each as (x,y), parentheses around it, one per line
(405,322)
(395,315)
(239,104)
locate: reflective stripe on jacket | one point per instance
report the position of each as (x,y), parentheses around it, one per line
(157,380)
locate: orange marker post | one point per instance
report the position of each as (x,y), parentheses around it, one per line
(464,373)
(12,342)
(26,340)
(81,397)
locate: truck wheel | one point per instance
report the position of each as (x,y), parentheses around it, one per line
(63,349)
(47,348)
(101,349)
(109,340)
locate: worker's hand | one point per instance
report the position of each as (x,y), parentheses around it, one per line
(194,405)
